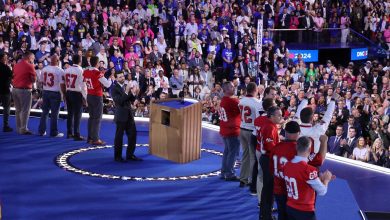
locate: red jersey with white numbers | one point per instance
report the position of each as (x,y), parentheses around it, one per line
(300,195)
(282,153)
(229,117)
(267,134)
(91,79)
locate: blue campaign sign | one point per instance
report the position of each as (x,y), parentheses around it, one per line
(359,54)
(307,55)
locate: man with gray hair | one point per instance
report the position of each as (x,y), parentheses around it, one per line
(24,77)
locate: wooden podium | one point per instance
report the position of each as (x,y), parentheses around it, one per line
(175,129)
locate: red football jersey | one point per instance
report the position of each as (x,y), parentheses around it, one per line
(91,79)
(267,134)
(229,115)
(282,153)
(300,195)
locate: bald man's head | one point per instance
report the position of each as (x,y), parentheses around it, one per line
(54,60)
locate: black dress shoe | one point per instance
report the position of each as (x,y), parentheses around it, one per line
(120,160)
(242,184)
(68,136)
(27,133)
(134,158)
(7,129)
(78,138)
(232,179)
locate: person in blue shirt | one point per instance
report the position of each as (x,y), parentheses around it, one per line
(118,61)
(228,56)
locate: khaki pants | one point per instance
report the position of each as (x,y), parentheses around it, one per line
(22,100)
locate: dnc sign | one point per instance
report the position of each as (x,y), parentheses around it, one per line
(359,54)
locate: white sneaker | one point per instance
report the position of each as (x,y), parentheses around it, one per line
(44,134)
(59,135)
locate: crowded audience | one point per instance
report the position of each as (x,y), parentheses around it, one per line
(175,48)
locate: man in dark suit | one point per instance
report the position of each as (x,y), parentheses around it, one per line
(349,124)
(5,93)
(124,119)
(347,145)
(307,23)
(342,113)
(334,141)
(164,89)
(197,61)
(374,79)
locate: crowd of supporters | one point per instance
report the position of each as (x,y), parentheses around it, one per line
(175,48)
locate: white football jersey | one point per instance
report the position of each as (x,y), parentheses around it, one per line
(51,77)
(74,79)
(249,108)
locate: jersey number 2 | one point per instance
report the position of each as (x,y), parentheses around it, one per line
(246,113)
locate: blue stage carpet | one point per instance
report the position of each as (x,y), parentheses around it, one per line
(32,186)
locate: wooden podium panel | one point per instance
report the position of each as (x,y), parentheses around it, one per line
(175,129)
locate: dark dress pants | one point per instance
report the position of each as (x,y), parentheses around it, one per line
(5,100)
(131,133)
(74,102)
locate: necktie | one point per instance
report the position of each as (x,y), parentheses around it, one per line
(336,139)
(349,141)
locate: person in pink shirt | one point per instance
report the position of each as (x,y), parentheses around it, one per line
(146,32)
(318,25)
(131,57)
(130,39)
(386,35)
(38,23)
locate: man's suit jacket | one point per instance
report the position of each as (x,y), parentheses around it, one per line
(347,149)
(356,125)
(200,64)
(334,146)
(232,39)
(378,81)
(122,104)
(303,22)
(343,118)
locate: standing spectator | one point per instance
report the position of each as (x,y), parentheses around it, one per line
(95,81)
(24,77)
(51,81)
(344,25)
(334,141)
(176,82)
(76,96)
(228,57)
(229,115)
(303,178)
(347,145)
(5,92)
